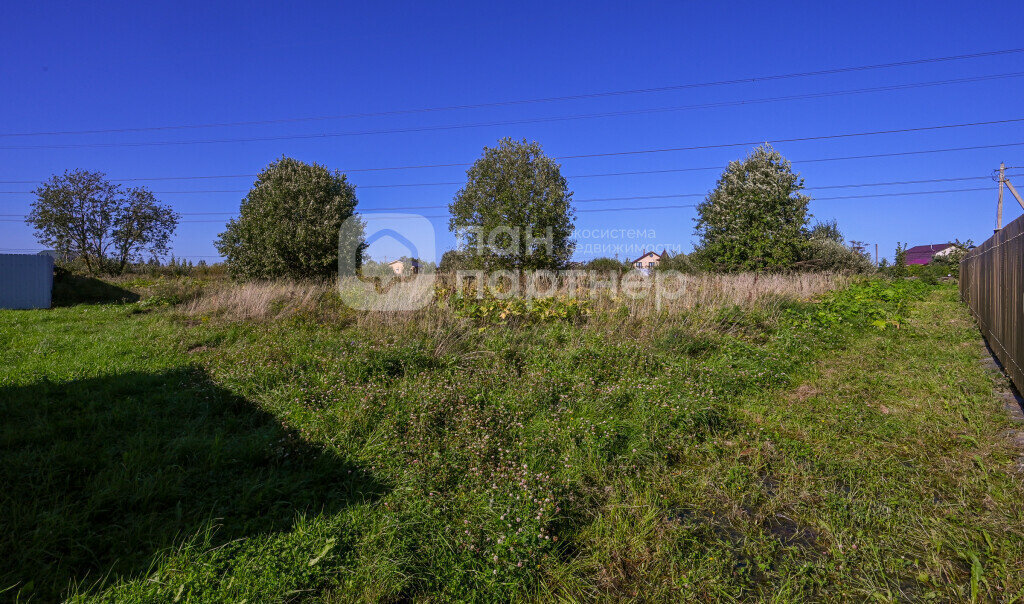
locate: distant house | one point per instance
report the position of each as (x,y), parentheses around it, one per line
(26,281)
(923,254)
(405,266)
(648,261)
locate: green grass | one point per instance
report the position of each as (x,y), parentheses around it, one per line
(850,448)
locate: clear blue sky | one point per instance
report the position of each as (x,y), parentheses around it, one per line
(74,66)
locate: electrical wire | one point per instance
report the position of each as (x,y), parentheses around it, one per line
(869,184)
(748,80)
(660,150)
(601,199)
(448,127)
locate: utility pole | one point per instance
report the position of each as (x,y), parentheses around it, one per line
(999,207)
(876,254)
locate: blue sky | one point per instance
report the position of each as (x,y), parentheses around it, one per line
(140,65)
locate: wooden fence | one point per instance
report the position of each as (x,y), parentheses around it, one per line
(991,278)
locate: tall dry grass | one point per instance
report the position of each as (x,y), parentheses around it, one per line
(271,300)
(741,289)
(259,300)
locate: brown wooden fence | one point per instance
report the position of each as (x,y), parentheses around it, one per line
(991,278)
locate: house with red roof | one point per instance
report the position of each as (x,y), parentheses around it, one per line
(648,261)
(923,254)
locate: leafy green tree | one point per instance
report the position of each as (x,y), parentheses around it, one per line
(756,218)
(453,260)
(290,223)
(83,216)
(827,230)
(899,265)
(515,211)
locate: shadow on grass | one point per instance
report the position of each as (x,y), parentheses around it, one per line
(98,475)
(70,290)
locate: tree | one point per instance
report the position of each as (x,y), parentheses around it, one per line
(899,265)
(515,211)
(756,218)
(453,260)
(828,230)
(290,223)
(81,214)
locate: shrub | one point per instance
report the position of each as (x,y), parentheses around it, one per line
(607,264)
(678,262)
(289,223)
(831,255)
(490,309)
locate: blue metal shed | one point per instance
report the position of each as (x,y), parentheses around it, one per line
(26,281)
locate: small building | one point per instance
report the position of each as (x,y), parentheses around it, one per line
(923,254)
(405,266)
(648,261)
(26,281)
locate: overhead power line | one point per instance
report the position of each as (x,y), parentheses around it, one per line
(646,151)
(868,184)
(326,135)
(844,186)
(669,88)
(600,199)
(629,173)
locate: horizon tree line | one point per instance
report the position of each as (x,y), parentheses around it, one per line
(514,212)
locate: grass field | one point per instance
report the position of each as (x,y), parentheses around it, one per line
(846,445)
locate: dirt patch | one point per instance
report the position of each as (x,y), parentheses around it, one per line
(803,392)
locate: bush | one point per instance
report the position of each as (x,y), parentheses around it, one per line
(607,264)
(830,255)
(454,260)
(492,310)
(289,223)
(679,262)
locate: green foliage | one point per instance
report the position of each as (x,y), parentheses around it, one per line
(876,302)
(827,230)
(87,218)
(899,265)
(515,211)
(290,223)
(756,217)
(677,262)
(827,254)
(607,264)
(953,258)
(454,260)
(515,309)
